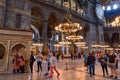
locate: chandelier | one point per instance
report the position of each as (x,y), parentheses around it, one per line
(64,43)
(57,45)
(84,47)
(104,46)
(80,43)
(96,45)
(37,44)
(68,26)
(74,37)
(116,22)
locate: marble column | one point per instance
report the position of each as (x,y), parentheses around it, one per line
(44,33)
(7,56)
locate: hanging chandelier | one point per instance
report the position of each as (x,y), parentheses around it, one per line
(80,43)
(74,37)
(37,44)
(104,46)
(68,26)
(57,45)
(64,43)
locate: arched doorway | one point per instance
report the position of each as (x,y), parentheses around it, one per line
(115,38)
(2,57)
(36,20)
(2,51)
(106,38)
(51,32)
(52,22)
(21,50)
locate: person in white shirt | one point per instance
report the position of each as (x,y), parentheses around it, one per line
(53,65)
(117,56)
(39,62)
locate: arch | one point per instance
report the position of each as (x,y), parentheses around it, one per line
(115,38)
(2,51)
(53,19)
(36,11)
(52,22)
(106,37)
(21,44)
(37,22)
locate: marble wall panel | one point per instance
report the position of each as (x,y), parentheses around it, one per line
(10,20)
(20,4)
(25,22)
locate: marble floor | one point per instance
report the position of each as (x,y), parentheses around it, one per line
(69,70)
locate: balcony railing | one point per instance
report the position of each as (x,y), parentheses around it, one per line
(67,4)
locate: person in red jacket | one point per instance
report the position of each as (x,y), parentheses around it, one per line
(22,64)
(16,64)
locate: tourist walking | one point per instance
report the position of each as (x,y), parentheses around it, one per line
(39,61)
(32,59)
(53,65)
(91,63)
(103,61)
(112,64)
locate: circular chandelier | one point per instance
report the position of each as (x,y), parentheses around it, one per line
(57,45)
(96,45)
(84,47)
(104,46)
(64,42)
(80,43)
(68,26)
(37,44)
(74,37)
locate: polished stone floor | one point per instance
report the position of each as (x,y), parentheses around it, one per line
(69,70)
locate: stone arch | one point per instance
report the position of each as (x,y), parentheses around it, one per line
(52,22)
(36,22)
(20,49)
(2,51)
(106,37)
(115,38)
(18,46)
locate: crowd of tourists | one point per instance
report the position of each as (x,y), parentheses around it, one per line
(51,59)
(107,60)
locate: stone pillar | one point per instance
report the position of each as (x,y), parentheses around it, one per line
(7,56)
(44,33)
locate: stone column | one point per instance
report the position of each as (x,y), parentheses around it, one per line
(44,29)
(7,56)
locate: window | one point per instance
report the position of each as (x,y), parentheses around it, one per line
(115,6)
(109,8)
(18,20)
(103,7)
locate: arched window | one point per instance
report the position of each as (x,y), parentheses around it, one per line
(108,8)
(2,51)
(115,6)
(103,7)
(115,38)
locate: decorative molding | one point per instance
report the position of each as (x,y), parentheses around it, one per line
(16,10)
(13,32)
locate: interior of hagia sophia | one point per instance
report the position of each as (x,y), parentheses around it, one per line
(27,25)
